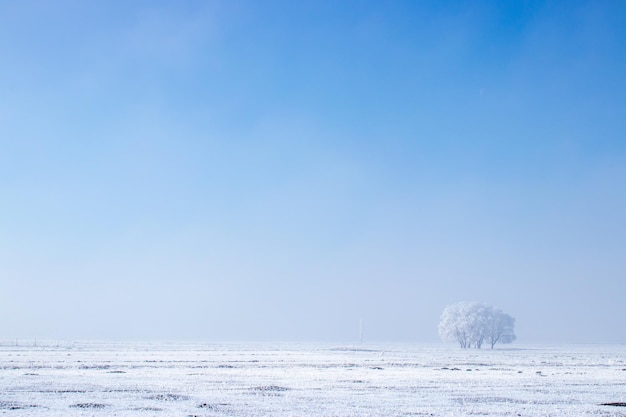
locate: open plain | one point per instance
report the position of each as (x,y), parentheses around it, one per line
(176,379)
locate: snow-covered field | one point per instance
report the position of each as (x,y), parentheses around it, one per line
(105,379)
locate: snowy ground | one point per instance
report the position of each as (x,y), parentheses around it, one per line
(89,379)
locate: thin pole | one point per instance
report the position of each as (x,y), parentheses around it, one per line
(361,330)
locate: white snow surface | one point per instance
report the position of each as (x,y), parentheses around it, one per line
(176,379)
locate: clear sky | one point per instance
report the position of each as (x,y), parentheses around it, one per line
(277,170)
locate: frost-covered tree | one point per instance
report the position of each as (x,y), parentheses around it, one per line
(471,324)
(500,328)
(457,324)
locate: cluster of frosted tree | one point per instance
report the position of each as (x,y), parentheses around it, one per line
(472,324)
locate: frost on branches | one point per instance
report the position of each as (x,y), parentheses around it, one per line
(472,324)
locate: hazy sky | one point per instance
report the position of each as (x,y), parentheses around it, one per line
(277,170)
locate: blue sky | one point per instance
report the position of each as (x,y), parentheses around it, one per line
(247,170)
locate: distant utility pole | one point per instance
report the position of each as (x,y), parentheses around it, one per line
(361,330)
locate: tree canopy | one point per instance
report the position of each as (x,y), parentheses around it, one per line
(471,324)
